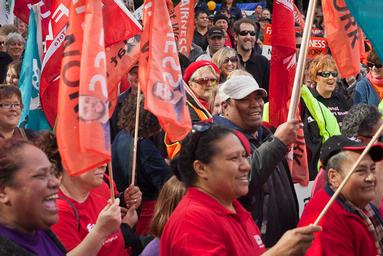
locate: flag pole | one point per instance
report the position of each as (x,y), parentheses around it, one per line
(136,134)
(296,92)
(111,181)
(339,189)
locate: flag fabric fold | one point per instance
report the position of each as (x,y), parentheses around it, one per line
(32,116)
(282,72)
(368,15)
(83,133)
(160,72)
(344,37)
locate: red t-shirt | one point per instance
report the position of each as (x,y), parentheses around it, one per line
(343,231)
(66,229)
(200,225)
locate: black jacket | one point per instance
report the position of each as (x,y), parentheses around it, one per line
(271,199)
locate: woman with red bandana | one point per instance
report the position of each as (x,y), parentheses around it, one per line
(202,78)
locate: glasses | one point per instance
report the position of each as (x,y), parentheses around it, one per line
(233,59)
(327,74)
(205,81)
(8,106)
(246,32)
(376,65)
(379,139)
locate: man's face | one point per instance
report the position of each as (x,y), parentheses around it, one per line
(216,43)
(133,77)
(360,189)
(222,24)
(245,113)
(246,41)
(15,49)
(91,108)
(202,20)
(2,43)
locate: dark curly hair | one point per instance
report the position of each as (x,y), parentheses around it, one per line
(360,120)
(148,123)
(46,141)
(197,146)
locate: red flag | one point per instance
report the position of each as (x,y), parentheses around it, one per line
(344,37)
(298,18)
(83,133)
(282,72)
(160,72)
(182,17)
(121,27)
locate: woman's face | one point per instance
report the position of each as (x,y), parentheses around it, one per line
(326,79)
(15,49)
(203,84)
(376,70)
(32,197)
(228,171)
(12,77)
(10,110)
(229,64)
(93,179)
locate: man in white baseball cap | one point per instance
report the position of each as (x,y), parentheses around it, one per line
(242,108)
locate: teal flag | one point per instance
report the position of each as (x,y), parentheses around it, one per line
(32,116)
(368,14)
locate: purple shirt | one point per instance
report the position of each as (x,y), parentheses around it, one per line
(152,249)
(39,243)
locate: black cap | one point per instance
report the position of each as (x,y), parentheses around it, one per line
(215,32)
(339,143)
(220,16)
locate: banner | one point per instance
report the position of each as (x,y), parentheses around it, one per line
(32,116)
(317,46)
(160,72)
(282,72)
(6,12)
(368,14)
(119,25)
(266,47)
(344,37)
(83,132)
(298,18)
(182,17)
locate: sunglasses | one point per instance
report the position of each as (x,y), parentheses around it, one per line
(197,130)
(376,65)
(205,81)
(233,59)
(246,32)
(327,74)
(380,138)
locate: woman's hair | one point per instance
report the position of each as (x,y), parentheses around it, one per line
(7,29)
(373,57)
(46,141)
(148,124)
(10,161)
(239,72)
(197,146)
(169,197)
(13,37)
(7,92)
(220,56)
(320,62)
(199,72)
(16,65)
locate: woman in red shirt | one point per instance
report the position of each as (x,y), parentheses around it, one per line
(213,164)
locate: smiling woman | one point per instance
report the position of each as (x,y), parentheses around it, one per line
(28,192)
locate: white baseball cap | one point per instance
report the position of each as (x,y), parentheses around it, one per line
(238,87)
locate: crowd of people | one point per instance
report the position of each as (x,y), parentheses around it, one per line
(226,188)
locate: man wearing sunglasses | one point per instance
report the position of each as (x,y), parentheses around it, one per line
(257,65)
(271,198)
(370,89)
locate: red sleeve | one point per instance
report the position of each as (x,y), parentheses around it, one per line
(66,229)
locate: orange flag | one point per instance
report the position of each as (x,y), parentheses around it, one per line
(160,72)
(344,37)
(83,129)
(182,17)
